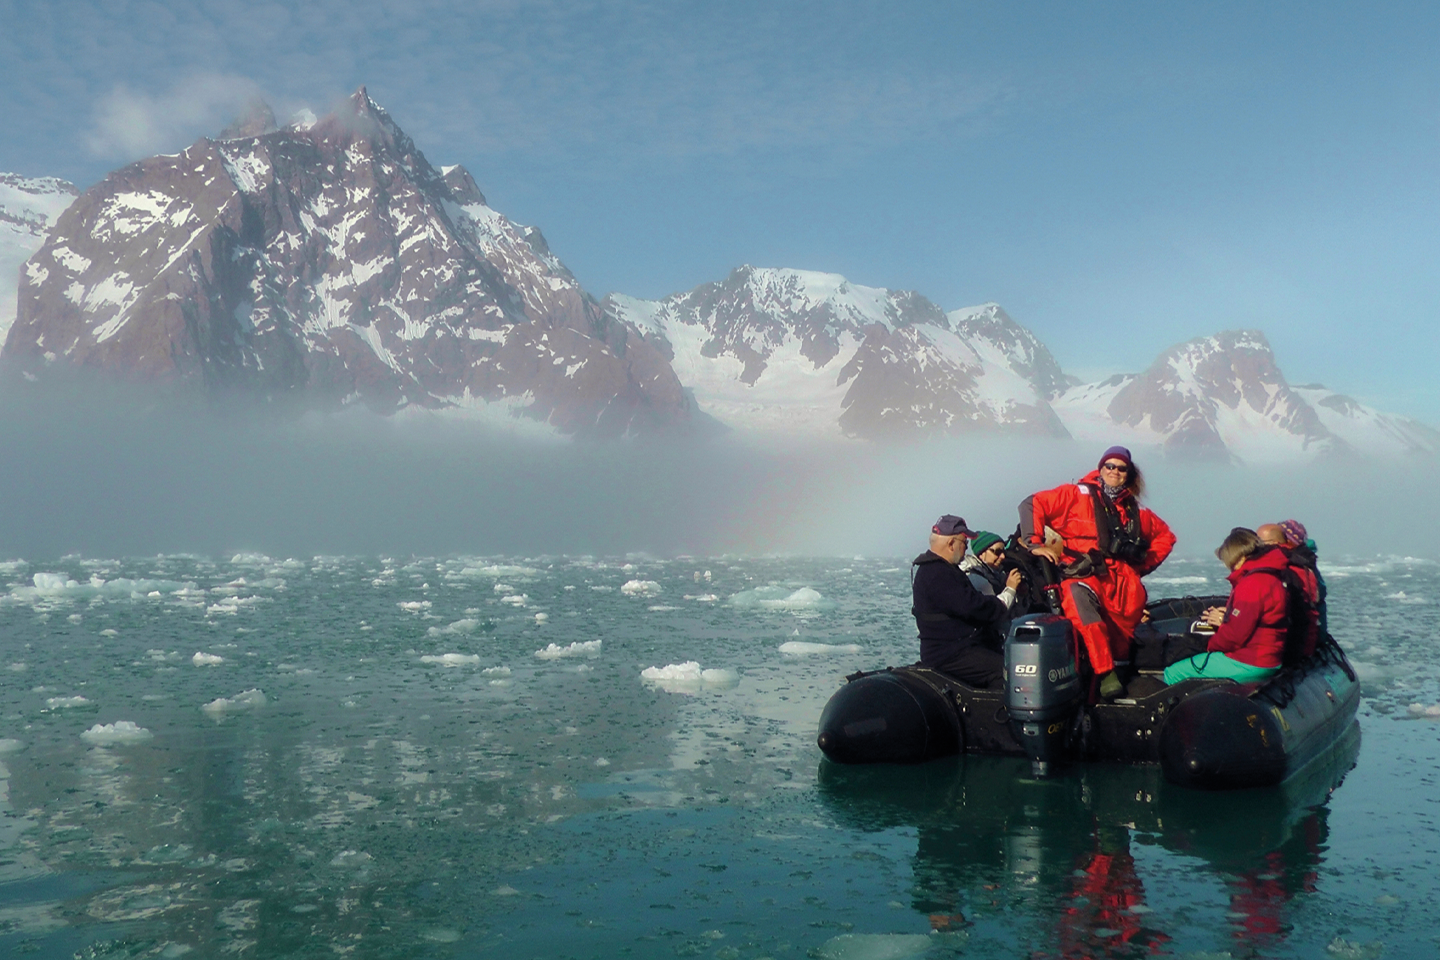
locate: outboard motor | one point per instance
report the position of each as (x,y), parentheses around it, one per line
(1042,688)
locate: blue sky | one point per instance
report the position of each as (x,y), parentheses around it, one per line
(1121,177)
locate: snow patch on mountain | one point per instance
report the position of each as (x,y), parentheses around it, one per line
(29,206)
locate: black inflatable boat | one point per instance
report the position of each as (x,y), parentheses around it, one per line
(1213,734)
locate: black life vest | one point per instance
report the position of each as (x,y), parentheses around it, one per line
(1117,536)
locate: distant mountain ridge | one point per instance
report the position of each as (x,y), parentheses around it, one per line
(795,350)
(327,263)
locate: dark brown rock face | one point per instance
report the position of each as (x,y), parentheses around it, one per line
(330,263)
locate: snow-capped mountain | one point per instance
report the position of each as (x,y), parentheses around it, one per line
(1365,429)
(28,207)
(1220,397)
(794,351)
(328,261)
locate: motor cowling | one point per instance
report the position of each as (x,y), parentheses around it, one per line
(1042,687)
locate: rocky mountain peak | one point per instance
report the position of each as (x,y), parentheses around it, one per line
(255,120)
(1219,397)
(329,264)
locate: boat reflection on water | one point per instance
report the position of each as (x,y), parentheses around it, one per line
(1062,850)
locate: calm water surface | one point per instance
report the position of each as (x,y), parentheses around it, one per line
(376,757)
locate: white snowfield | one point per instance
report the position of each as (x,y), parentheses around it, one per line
(29,206)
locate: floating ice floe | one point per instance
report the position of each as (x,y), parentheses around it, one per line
(245,700)
(452,659)
(702,597)
(802,600)
(414,606)
(206,659)
(640,588)
(351,859)
(467,625)
(1423,710)
(9,745)
(496,672)
(499,570)
(660,608)
(1343,949)
(65,703)
(1400,596)
(56,586)
(802,648)
(688,677)
(580,648)
(874,946)
(119,733)
(517,599)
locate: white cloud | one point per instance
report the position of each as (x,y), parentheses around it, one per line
(130,124)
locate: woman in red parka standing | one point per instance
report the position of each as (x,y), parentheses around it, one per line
(1107,543)
(1249,641)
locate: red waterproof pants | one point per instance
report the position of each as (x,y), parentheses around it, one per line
(1104,610)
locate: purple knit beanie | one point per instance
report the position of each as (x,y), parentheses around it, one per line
(1119,453)
(1294,532)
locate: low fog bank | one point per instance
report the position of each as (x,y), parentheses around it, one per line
(105,473)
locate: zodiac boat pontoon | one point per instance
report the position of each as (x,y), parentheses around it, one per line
(1213,734)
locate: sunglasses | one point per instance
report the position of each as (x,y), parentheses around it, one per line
(1117,467)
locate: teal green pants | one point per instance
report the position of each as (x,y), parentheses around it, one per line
(1217,666)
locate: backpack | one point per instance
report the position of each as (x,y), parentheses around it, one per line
(1301,616)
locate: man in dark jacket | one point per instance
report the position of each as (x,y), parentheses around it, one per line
(951,614)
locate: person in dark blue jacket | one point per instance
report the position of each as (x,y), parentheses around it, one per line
(951,614)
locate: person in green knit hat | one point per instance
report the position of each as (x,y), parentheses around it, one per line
(982,565)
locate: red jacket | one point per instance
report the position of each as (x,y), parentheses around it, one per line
(1256,615)
(1069,510)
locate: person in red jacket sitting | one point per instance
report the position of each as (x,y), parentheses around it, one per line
(1249,639)
(1107,542)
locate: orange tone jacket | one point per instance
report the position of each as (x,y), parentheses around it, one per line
(1070,512)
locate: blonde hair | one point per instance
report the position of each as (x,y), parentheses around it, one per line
(1241,543)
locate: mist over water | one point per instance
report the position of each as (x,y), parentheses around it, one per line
(115,473)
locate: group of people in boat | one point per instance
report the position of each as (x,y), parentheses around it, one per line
(1091,542)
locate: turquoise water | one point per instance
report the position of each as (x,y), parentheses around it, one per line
(376,757)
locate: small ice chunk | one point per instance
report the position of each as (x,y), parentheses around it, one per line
(1423,710)
(804,599)
(65,703)
(496,671)
(245,700)
(873,946)
(801,648)
(467,625)
(206,659)
(9,745)
(580,648)
(688,676)
(452,659)
(116,734)
(414,606)
(640,588)
(541,617)
(351,859)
